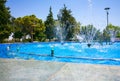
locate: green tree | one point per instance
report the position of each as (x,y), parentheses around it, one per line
(12,23)
(99,37)
(17,34)
(118,33)
(39,31)
(18,28)
(5,29)
(32,26)
(109,32)
(50,25)
(67,22)
(77,28)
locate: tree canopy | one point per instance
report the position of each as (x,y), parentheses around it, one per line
(111,31)
(5,29)
(67,22)
(50,25)
(32,26)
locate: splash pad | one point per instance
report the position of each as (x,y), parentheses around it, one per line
(67,52)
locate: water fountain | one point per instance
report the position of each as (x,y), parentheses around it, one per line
(11,37)
(79,37)
(59,31)
(87,34)
(112,35)
(80,53)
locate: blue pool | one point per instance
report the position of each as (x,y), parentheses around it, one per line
(67,52)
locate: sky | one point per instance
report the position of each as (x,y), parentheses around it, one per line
(85,11)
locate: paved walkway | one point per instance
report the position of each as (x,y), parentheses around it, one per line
(31,70)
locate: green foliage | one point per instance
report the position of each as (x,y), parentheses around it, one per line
(99,37)
(17,28)
(39,31)
(77,28)
(67,22)
(111,29)
(18,34)
(5,29)
(50,25)
(118,33)
(30,25)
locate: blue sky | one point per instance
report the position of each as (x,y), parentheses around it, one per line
(85,11)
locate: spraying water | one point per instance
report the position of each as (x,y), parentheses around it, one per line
(59,31)
(112,35)
(90,6)
(88,33)
(10,37)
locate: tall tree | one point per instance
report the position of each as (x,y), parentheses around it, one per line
(67,22)
(39,31)
(4,21)
(17,28)
(50,24)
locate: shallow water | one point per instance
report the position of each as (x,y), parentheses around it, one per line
(67,52)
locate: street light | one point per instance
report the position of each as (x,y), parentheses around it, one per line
(107,9)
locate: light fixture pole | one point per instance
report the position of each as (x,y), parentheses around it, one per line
(107,9)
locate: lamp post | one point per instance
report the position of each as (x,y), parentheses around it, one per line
(107,9)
